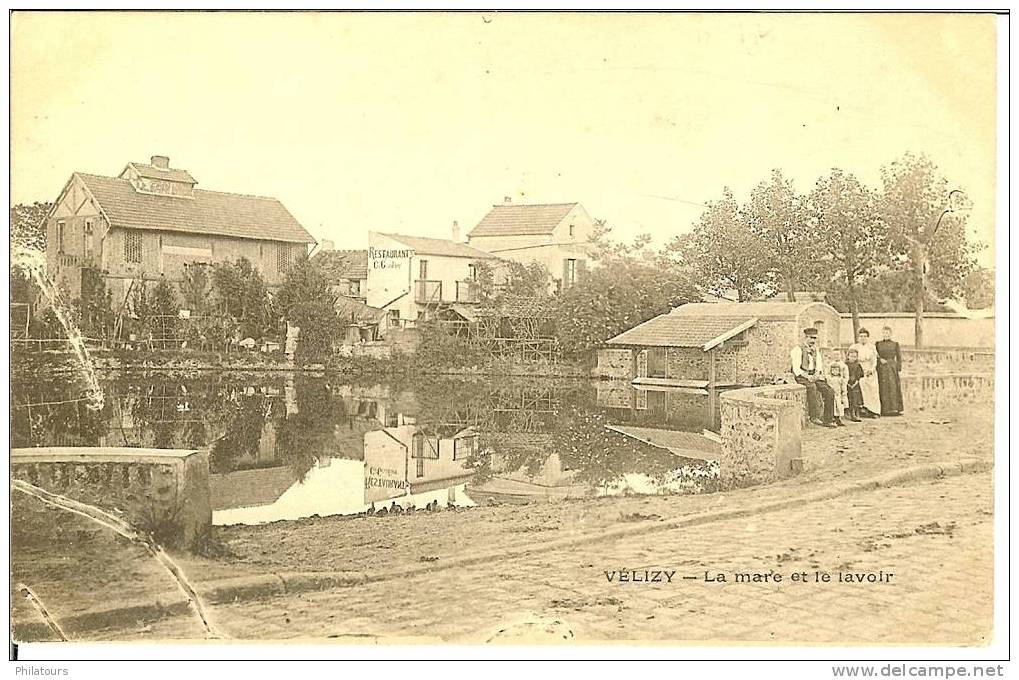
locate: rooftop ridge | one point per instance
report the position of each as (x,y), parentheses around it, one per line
(196,189)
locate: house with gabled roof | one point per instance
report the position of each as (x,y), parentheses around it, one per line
(151,223)
(346,270)
(413,277)
(716,344)
(558,235)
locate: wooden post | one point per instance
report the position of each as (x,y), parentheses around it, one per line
(711,368)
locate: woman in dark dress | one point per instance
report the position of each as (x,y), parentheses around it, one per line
(889,363)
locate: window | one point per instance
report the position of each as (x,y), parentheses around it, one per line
(355,287)
(464,446)
(423,269)
(282,257)
(573,231)
(569,273)
(394,317)
(133,247)
(60,236)
(472,272)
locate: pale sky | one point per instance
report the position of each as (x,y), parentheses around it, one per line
(406,122)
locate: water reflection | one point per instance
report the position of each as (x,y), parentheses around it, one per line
(292,447)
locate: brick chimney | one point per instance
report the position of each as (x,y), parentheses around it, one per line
(161,162)
(507,200)
(456,231)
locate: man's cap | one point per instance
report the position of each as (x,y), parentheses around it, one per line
(812,332)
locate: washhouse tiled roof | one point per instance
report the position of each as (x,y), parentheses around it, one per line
(672,330)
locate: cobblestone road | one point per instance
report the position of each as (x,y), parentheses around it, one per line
(935,538)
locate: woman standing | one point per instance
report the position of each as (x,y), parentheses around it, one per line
(889,363)
(868,384)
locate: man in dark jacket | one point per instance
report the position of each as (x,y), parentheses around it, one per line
(809,372)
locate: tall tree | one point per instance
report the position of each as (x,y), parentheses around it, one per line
(723,252)
(306,301)
(615,296)
(928,227)
(843,216)
(775,214)
(242,294)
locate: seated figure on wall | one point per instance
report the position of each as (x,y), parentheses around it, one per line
(807,368)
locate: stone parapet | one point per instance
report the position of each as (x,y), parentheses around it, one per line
(942,361)
(921,392)
(761,433)
(162,492)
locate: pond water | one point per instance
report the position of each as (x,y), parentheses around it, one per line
(287,447)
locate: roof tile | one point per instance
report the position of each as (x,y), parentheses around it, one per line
(439,246)
(670,330)
(342,264)
(208,212)
(518,220)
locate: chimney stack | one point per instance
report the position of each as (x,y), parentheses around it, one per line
(507,200)
(161,162)
(456,231)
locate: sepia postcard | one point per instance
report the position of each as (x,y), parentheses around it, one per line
(447,329)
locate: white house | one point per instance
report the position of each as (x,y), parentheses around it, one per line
(411,277)
(558,235)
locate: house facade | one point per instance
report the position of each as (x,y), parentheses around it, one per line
(706,345)
(558,235)
(411,277)
(151,223)
(346,270)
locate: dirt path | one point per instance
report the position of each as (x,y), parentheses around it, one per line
(369,543)
(75,567)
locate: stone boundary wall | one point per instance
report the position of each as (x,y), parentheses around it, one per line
(761,433)
(164,492)
(922,392)
(762,426)
(939,361)
(942,361)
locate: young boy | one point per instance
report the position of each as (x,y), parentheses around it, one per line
(853,390)
(838,378)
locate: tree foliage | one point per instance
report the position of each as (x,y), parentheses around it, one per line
(241,293)
(619,294)
(843,217)
(28,227)
(723,252)
(775,216)
(978,288)
(305,300)
(926,232)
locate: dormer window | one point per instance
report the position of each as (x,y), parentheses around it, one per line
(157,177)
